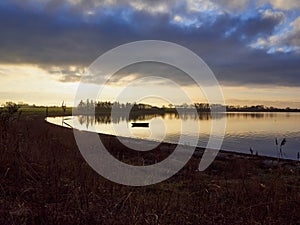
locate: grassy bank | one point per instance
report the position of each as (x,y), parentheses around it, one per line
(42,111)
(44,180)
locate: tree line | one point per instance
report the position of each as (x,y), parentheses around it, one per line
(102,107)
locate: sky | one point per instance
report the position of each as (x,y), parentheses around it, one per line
(252,46)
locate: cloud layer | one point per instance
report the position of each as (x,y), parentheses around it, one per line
(244,42)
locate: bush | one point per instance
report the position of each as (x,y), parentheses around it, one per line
(11,108)
(7,112)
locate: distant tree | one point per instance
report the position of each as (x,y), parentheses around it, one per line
(185,105)
(81,105)
(7,113)
(11,108)
(92,105)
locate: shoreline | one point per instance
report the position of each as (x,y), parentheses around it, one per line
(222,154)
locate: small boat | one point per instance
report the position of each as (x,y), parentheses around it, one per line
(140,124)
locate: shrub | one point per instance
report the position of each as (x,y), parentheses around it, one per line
(11,108)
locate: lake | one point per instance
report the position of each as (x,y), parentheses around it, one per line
(243,130)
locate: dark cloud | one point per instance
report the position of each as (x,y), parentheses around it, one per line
(260,24)
(153,69)
(60,34)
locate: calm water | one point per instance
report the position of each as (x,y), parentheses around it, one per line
(244,130)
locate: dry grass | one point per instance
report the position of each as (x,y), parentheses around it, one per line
(44,180)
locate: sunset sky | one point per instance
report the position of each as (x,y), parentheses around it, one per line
(252,46)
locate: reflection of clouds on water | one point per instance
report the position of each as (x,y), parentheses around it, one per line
(244,130)
(117,118)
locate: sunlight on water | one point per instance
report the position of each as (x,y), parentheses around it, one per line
(244,130)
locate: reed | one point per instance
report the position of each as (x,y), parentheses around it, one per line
(283,142)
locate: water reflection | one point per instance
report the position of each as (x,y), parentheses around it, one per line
(251,115)
(116,119)
(244,129)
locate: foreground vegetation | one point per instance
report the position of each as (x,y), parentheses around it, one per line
(44,180)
